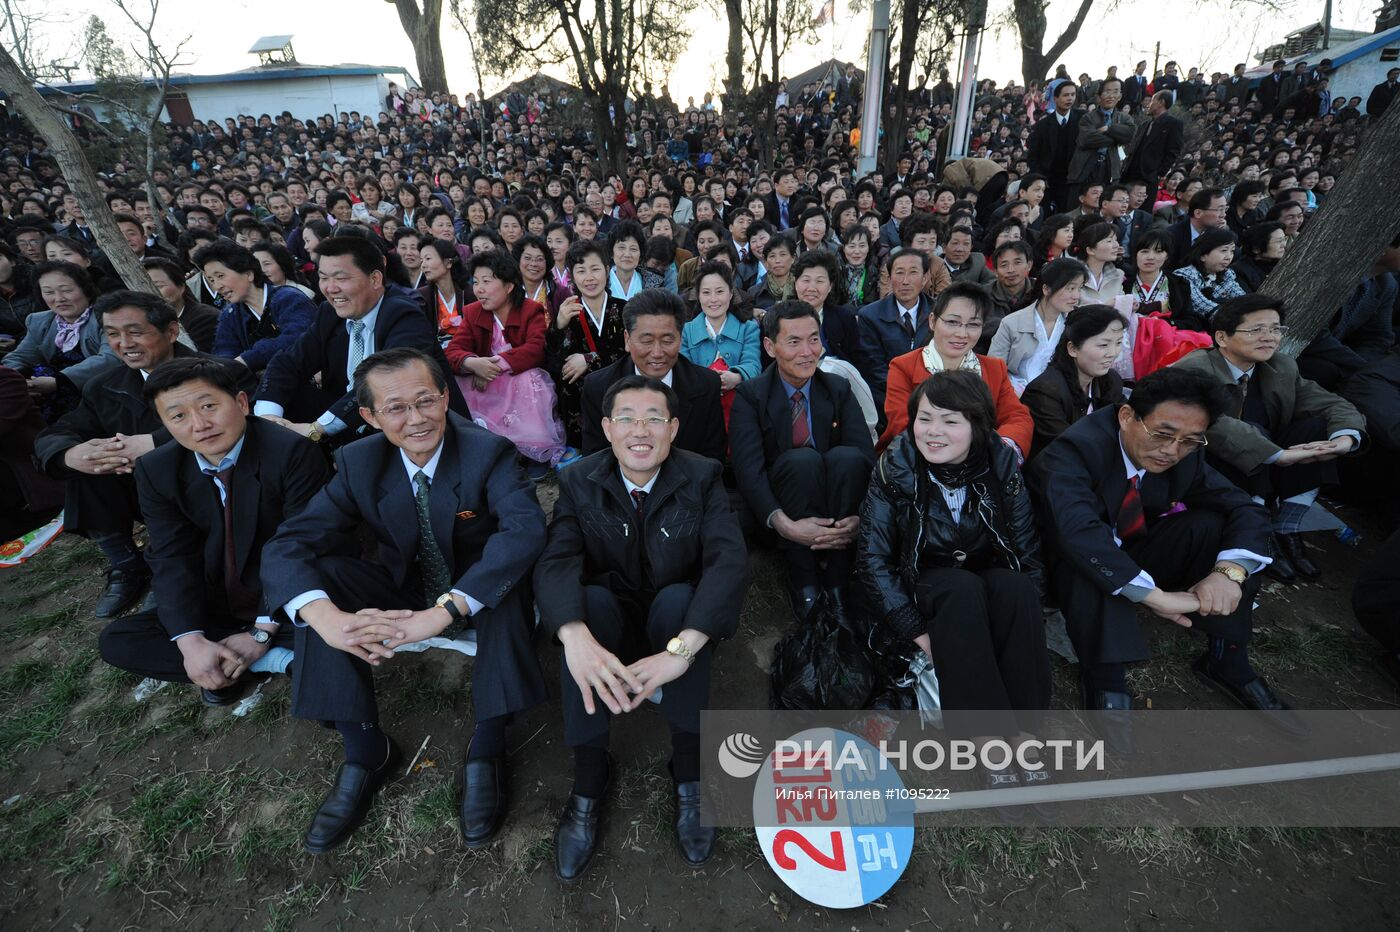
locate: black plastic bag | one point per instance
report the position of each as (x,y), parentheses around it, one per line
(823,664)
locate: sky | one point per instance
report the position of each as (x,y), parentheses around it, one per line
(1212,33)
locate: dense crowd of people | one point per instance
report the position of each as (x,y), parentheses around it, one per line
(950,395)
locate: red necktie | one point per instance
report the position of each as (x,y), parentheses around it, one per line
(1131,519)
(801,432)
(639,501)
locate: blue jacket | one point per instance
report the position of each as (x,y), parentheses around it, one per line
(738,343)
(882,338)
(292,313)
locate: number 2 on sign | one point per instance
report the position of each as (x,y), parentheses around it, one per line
(835,861)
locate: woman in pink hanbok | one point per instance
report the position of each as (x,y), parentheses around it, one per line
(498,355)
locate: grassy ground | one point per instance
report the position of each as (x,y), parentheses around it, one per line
(162,814)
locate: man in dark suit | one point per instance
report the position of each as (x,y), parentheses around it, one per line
(1105,487)
(1156,144)
(1135,88)
(644,571)
(465,559)
(895,324)
(777,208)
(1115,207)
(1269,91)
(1052,143)
(653,321)
(1382,94)
(358,319)
(1282,431)
(802,456)
(95,446)
(211,500)
(1205,211)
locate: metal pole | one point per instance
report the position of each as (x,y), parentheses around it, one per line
(967,82)
(1326,25)
(874,86)
(1156,57)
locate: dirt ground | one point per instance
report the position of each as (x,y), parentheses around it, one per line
(164,814)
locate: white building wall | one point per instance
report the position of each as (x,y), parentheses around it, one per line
(1358,76)
(305,97)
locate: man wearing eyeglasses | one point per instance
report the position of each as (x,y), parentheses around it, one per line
(1283,432)
(1131,513)
(359,318)
(458,529)
(644,571)
(1205,211)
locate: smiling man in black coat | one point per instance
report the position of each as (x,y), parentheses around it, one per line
(359,318)
(644,571)
(458,529)
(802,456)
(653,321)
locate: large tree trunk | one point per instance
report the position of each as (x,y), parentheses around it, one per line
(67,151)
(1030,23)
(733,95)
(1341,242)
(908,43)
(424,29)
(612,139)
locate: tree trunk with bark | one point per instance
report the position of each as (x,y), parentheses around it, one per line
(78,174)
(908,44)
(1030,23)
(424,29)
(733,95)
(1341,242)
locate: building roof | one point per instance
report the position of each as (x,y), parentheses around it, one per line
(820,73)
(1340,54)
(256,73)
(270,44)
(537,83)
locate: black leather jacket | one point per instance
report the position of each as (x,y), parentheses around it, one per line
(905,525)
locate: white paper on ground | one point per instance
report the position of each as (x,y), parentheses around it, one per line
(466,644)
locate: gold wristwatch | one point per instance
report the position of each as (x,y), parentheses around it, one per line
(445,601)
(676,648)
(1232,573)
(316,433)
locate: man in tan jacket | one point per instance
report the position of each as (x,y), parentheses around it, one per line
(1280,442)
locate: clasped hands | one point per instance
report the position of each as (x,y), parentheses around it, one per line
(621,687)
(1317,451)
(1217,594)
(108,456)
(372,634)
(818,533)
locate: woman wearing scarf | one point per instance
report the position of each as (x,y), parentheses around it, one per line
(63,347)
(958,314)
(949,560)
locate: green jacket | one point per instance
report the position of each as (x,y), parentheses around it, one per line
(1288,397)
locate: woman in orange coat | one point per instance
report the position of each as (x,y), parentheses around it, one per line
(498,355)
(958,314)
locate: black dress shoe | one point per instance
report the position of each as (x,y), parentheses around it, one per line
(1256,696)
(228,695)
(1111,718)
(123,588)
(1297,553)
(576,837)
(804,599)
(696,841)
(483,800)
(348,802)
(1281,568)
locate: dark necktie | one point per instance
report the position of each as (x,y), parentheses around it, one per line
(907,323)
(801,431)
(436,579)
(243,605)
(1253,410)
(1131,520)
(639,501)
